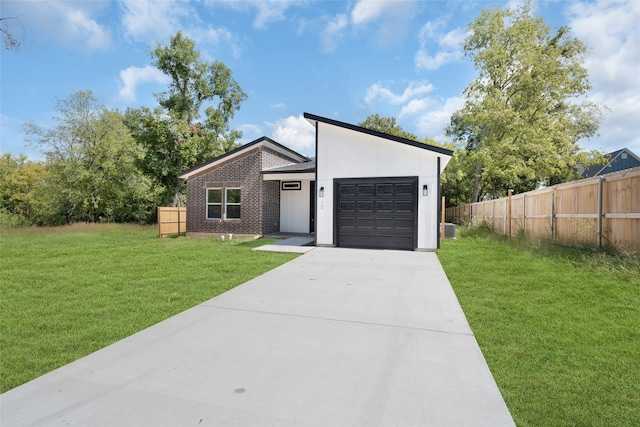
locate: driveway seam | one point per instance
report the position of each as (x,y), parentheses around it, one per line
(339,320)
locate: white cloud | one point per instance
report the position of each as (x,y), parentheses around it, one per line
(152,20)
(295,132)
(278,106)
(377,91)
(610,29)
(433,123)
(250,132)
(366,10)
(416,106)
(133,76)
(446,45)
(69,22)
(267,11)
(331,32)
(81,27)
(215,36)
(452,39)
(393,17)
(424,61)
(212,35)
(156,21)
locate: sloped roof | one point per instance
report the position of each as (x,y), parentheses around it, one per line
(294,156)
(595,170)
(304,167)
(313,119)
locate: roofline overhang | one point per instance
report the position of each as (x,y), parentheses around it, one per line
(313,119)
(291,176)
(293,155)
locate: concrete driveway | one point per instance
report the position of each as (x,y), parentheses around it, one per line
(336,337)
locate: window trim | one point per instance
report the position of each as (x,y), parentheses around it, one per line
(226,203)
(291,185)
(206,213)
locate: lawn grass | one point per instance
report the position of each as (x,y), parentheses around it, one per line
(559,327)
(69,291)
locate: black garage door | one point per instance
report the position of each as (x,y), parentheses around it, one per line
(377,213)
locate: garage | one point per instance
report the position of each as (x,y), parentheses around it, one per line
(376,213)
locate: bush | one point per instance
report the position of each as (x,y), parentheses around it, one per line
(11,220)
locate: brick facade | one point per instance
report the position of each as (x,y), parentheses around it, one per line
(260,200)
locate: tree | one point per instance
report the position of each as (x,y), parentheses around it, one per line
(390,126)
(91,162)
(10,41)
(173,136)
(524,114)
(20,181)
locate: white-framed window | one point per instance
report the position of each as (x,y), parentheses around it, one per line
(291,185)
(214,203)
(233,203)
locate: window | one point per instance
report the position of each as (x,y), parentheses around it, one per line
(214,203)
(233,203)
(291,185)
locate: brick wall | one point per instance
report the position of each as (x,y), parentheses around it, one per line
(260,200)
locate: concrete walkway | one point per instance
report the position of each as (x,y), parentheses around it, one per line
(336,337)
(296,245)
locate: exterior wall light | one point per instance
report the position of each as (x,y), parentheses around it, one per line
(425,190)
(321,193)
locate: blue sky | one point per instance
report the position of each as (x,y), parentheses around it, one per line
(340,59)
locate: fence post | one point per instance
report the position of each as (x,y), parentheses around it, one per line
(600,186)
(553,212)
(508,224)
(524,214)
(178,218)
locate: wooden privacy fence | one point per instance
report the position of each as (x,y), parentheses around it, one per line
(602,211)
(171,221)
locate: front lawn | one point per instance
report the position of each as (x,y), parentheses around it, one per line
(69,291)
(559,327)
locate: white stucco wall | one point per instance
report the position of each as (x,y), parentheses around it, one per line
(344,153)
(295,209)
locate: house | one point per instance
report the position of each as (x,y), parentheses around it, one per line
(364,189)
(616,161)
(229,194)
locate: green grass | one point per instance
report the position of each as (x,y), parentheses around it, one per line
(69,291)
(559,327)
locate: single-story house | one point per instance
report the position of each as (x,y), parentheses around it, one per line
(363,189)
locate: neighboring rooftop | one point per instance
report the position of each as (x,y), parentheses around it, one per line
(616,161)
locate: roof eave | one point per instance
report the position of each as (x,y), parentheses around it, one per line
(313,119)
(250,145)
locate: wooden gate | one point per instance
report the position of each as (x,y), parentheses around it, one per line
(171,221)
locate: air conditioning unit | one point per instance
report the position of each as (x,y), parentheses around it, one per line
(449,230)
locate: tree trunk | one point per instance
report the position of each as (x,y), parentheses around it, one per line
(69,212)
(177,196)
(477,183)
(477,179)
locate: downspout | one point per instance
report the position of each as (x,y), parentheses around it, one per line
(317,188)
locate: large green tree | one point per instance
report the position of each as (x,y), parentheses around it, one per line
(191,124)
(390,126)
(20,182)
(525,112)
(91,164)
